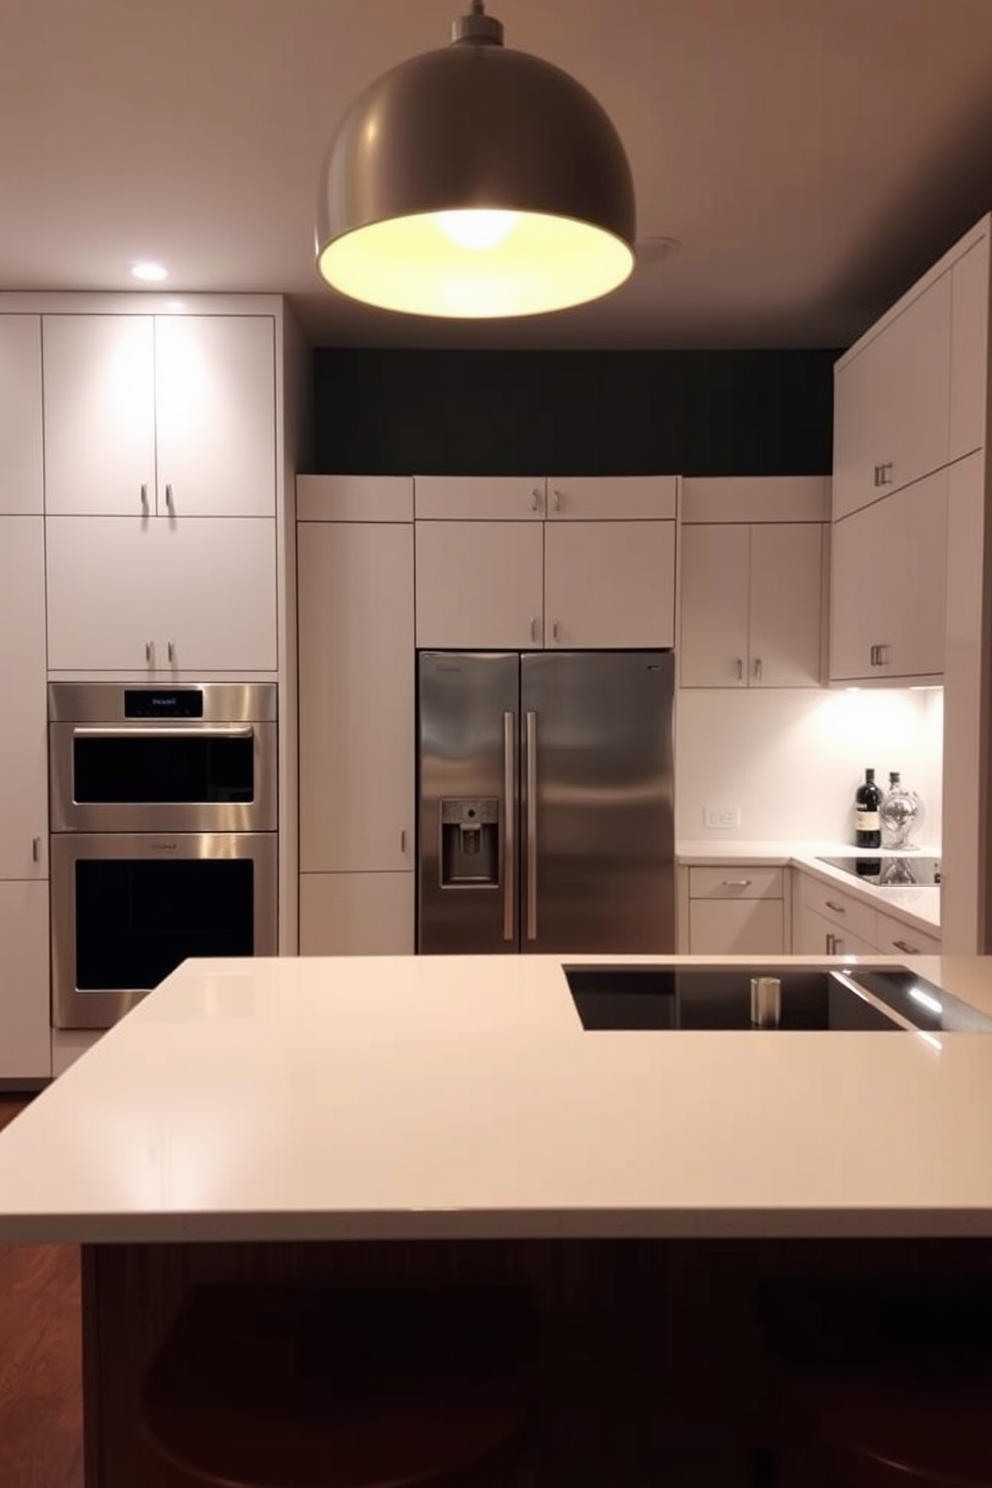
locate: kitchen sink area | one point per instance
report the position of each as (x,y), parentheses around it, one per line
(807,1000)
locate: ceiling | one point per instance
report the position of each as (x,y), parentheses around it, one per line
(811,157)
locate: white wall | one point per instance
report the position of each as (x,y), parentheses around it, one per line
(790,759)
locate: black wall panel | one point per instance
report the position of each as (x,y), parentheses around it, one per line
(573,413)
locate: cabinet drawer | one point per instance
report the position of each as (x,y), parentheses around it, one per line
(841,909)
(736,881)
(895,938)
(750,927)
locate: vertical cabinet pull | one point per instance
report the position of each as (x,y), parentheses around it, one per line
(757,669)
(739,667)
(149,651)
(556,500)
(144,499)
(535,500)
(531,734)
(508,832)
(554,629)
(36,853)
(534,631)
(171,650)
(402,842)
(169,501)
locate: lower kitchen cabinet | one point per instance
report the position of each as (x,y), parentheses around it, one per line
(737,908)
(832,923)
(153,594)
(357,914)
(25,1032)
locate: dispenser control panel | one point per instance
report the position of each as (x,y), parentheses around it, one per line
(470,842)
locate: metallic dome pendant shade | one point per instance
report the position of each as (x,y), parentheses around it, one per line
(475,181)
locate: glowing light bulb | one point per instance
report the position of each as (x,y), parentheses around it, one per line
(476,229)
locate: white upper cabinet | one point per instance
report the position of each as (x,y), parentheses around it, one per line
(889,586)
(603,498)
(752,591)
(130,594)
(215,414)
(356,691)
(480,585)
(21,485)
(475,498)
(892,402)
(609,584)
(969,351)
(159,415)
(23,719)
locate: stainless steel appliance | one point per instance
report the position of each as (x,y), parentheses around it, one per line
(546,801)
(164,843)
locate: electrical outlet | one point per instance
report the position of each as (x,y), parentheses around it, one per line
(722,816)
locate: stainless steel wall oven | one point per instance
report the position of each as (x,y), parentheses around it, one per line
(164,844)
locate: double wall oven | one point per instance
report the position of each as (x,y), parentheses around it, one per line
(164,843)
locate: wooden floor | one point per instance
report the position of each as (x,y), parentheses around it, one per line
(41,1413)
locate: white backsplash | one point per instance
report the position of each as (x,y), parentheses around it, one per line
(789,760)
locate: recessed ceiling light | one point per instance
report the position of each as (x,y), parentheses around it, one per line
(150,272)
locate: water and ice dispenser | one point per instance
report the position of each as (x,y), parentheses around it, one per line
(470,842)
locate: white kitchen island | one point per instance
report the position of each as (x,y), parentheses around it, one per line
(454,1111)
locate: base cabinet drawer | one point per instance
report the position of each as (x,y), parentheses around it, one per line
(744,881)
(896,938)
(845,913)
(742,928)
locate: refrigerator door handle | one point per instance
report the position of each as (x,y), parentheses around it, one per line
(509,832)
(531,736)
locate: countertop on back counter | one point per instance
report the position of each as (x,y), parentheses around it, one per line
(918,906)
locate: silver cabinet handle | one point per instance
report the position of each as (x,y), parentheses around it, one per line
(838,945)
(535,500)
(757,669)
(170,503)
(149,650)
(402,842)
(837,908)
(555,629)
(509,824)
(531,731)
(534,628)
(885,473)
(556,500)
(831,942)
(883,655)
(36,849)
(904,945)
(144,499)
(171,650)
(740,669)
(873,656)
(735,883)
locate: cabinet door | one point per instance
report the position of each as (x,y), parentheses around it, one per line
(98,373)
(23,719)
(356,692)
(21,486)
(120,590)
(357,914)
(606,498)
(742,927)
(786,604)
(25,1024)
(855,611)
(214,581)
(858,394)
(609,584)
(479,498)
(215,414)
(896,938)
(715,586)
(480,585)
(102,601)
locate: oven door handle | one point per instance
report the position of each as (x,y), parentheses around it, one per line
(214,731)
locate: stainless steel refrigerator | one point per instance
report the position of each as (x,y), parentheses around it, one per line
(546,802)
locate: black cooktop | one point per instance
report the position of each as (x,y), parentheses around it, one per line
(889,871)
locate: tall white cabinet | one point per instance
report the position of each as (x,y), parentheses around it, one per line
(356,710)
(911,575)
(160,490)
(25,1048)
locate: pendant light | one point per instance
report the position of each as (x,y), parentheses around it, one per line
(475,181)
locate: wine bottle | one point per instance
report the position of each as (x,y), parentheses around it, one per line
(867,819)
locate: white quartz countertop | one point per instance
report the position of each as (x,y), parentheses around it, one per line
(399,1097)
(919,907)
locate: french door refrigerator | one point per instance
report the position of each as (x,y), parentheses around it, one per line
(546,802)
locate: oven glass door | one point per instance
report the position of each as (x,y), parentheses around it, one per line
(128,909)
(148,765)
